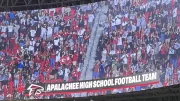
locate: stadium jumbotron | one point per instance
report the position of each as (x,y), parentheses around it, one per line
(94,50)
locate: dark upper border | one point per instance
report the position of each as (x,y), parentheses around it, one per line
(19,5)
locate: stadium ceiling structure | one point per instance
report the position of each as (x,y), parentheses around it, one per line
(16,5)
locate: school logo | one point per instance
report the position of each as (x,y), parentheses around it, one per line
(35,89)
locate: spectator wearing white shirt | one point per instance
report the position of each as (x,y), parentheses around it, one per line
(124,23)
(81,33)
(50,22)
(68,25)
(32,33)
(171,70)
(138,25)
(178,72)
(28,20)
(10,30)
(132,15)
(116,2)
(60,73)
(133,27)
(56,43)
(66,74)
(122,3)
(118,21)
(31,46)
(147,31)
(71,44)
(41,17)
(90,20)
(16,28)
(104,54)
(49,32)
(125,59)
(113,24)
(3,30)
(23,20)
(43,32)
(57,56)
(143,22)
(83,8)
(119,43)
(89,8)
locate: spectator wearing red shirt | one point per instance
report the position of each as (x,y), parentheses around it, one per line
(68,60)
(75,58)
(63,60)
(163,52)
(96,70)
(74,75)
(20,88)
(5,90)
(41,78)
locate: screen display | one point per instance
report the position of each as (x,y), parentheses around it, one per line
(107,47)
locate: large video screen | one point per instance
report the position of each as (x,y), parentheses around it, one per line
(107,47)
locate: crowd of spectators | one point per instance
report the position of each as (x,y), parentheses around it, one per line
(49,45)
(140,36)
(42,46)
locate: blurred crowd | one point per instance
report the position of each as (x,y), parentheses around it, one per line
(42,46)
(140,36)
(49,45)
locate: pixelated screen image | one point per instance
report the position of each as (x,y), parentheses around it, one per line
(107,47)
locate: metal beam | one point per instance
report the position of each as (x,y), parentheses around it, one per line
(7,3)
(29,1)
(25,2)
(11,2)
(15,2)
(42,1)
(37,4)
(19,6)
(2,2)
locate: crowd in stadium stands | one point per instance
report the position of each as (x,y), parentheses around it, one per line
(42,46)
(49,45)
(140,36)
